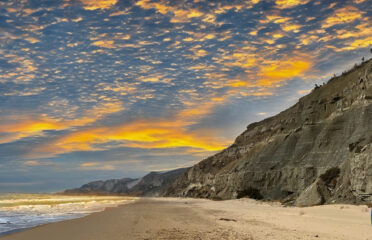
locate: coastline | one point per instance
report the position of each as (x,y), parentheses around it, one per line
(13,231)
(181,218)
(67,216)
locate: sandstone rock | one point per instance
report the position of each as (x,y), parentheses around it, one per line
(310,196)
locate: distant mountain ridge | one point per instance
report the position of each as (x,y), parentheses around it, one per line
(317,151)
(152,184)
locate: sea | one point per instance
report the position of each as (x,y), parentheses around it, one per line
(22,211)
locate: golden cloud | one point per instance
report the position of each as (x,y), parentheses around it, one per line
(257,94)
(31,126)
(344,15)
(303,92)
(179,15)
(290,3)
(32,163)
(239,58)
(98,4)
(291,27)
(32,40)
(276,72)
(89,164)
(359,43)
(154,133)
(147,133)
(104,43)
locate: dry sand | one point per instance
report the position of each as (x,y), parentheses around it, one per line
(170,218)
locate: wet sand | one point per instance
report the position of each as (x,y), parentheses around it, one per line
(171,218)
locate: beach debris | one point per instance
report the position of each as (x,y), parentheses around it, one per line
(228,219)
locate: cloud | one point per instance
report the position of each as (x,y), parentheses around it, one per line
(291,27)
(173,132)
(177,13)
(34,163)
(25,92)
(104,43)
(98,4)
(155,133)
(32,40)
(26,126)
(276,72)
(304,92)
(358,43)
(240,59)
(282,4)
(343,15)
(89,164)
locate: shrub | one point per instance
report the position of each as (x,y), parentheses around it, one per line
(251,193)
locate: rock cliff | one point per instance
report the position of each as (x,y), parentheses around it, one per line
(152,184)
(317,151)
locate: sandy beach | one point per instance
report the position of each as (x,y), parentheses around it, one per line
(171,218)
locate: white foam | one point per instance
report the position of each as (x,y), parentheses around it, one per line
(28,210)
(4,221)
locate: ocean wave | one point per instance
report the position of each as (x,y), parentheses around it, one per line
(19,211)
(4,221)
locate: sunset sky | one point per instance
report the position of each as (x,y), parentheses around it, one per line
(97,89)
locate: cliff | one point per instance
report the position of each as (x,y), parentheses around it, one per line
(152,184)
(317,151)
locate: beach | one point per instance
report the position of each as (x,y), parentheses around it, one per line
(181,218)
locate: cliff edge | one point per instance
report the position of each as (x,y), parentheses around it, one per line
(317,151)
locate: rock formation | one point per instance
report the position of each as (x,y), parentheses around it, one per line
(317,151)
(153,184)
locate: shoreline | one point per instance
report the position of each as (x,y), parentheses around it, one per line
(184,218)
(83,215)
(16,230)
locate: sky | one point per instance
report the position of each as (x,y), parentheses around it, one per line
(99,89)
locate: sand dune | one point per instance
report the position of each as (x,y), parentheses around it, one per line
(171,218)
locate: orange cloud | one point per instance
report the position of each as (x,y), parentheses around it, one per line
(179,14)
(359,43)
(290,3)
(275,72)
(147,133)
(341,16)
(303,92)
(239,58)
(88,164)
(156,133)
(104,43)
(291,27)
(32,40)
(240,83)
(32,163)
(31,126)
(98,4)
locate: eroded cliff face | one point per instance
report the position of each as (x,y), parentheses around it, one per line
(283,156)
